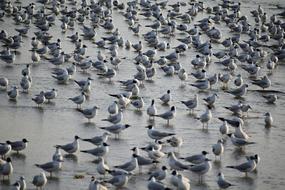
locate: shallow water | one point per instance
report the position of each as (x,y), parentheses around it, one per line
(58,122)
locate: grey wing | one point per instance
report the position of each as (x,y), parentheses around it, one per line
(198,168)
(46,165)
(66,147)
(115,179)
(126,165)
(243,166)
(180,165)
(144,161)
(157,133)
(16,144)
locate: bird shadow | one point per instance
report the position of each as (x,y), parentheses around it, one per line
(138,112)
(168,125)
(89,124)
(5,181)
(71,157)
(18,156)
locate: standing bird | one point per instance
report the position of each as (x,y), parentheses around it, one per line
(192,103)
(222,183)
(202,168)
(6,168)
(50,167)
(49,95)
(78,100)
(168,115)
(70,148)
(157,135)
(4,83)
(40,98)
(218,149)
(151,110)
(19,145)
(89,113)
(206,117)
(166,97)
(40,180)
(268,119)
(245,167)
(13,93)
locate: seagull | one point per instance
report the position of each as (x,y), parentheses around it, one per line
(4,82)
(99,151)
(131,165)
(78,100)
(168,115)
(50,95)
(62,77)
(57,155)
(202,85)
(271,98)
(224,128)
(206,117)
(157,135)
(22,183)
(19,145)
(70,148)
(175,164)
(40,180)
(175,141)
(192,103)
(197,158)
(102,167)
(239,92)
(245,167)
(110,73)
(6,168)
(116,129)
(89,113)
(159,174)
(201,168)
(26,83)
(218,149)
(50,167)
(83,83)
(238,141)
(138,103)
(115,119)
(268,119)
(210,100)
(142,161)
(13,93)
(264,82)
(153,185)
(113,108)
(222,183)
(151,110)
(95,185)
(119,180)
(98,140)
(5,148)
(40,98)
(166,97)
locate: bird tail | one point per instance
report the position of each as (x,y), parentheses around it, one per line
(155,162)
(233,167)
(113,95)
(76,82)
(84,151)
(221,118)
(103,127)
(37,165)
